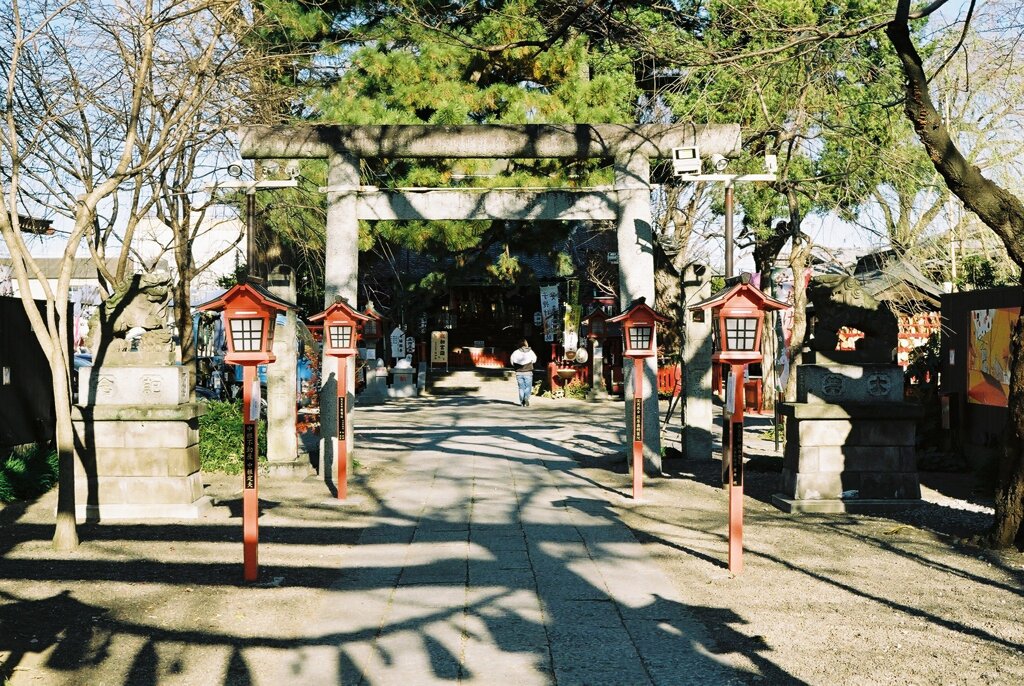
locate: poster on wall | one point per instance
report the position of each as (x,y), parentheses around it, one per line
(988,355)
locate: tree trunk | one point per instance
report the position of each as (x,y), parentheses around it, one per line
(799,254)
(65,533)
(183,318)
(766,252)
(1001,211)
(1009,500)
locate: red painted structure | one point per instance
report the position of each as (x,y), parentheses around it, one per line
(738,313)
(249,313)
(640,338)
(341,324)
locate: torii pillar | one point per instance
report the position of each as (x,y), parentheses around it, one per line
(629,146)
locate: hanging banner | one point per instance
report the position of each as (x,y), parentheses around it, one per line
(549,309)
(571,318)
(439,347)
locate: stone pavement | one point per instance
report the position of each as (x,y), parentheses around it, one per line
(489,561)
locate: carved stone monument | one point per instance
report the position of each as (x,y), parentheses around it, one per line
(403,379)
(136,433)
(850,435)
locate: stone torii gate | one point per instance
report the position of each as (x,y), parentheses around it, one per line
(631,147)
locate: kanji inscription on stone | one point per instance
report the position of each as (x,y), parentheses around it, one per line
(832,385)
(878,384)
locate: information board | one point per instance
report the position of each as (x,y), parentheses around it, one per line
(439,347)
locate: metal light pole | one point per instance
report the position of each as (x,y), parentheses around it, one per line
(728,229)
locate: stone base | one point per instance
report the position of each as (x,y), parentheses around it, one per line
(138,462)
(403,384)
(123,511)
(838,506)
(289,469)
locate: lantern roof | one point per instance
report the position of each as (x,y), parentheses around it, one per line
(639,308)
(371,311)
(250,290)
(741,289)
(597,313)
(339,307)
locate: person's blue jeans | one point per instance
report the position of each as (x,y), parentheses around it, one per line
(525,381)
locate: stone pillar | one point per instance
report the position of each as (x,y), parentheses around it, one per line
(636,279)
(698,412)
(341,276)
(282,393)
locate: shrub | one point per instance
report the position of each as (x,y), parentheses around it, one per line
(220,438)
(576,389)
(27,472)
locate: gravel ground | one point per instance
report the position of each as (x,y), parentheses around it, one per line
(895,599)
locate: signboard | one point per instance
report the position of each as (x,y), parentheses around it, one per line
(410,345)
(249,454)
(638,419)
(341,417)
(397,343)
(737,454)
(439,347)
(423,323)
(538,319)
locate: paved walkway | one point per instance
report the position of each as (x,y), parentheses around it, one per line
(490,561)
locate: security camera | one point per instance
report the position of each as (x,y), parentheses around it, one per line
(719,162)
(771,163)
(686,160)
(292,169)
(235,169)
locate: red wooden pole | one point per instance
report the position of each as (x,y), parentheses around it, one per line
(341,455)
(736,473)
(250,476)
(638,428)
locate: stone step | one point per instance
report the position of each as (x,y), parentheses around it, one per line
(466,381)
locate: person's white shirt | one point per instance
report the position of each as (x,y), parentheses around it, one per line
(523,356)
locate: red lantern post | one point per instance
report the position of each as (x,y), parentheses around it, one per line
(249,314)
(639,324)
(738,312)
(340,327)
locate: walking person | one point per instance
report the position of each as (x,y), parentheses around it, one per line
(522,361)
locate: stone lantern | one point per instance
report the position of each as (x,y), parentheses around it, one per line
(639,339)
(738,313)
(341,324)
(249,311)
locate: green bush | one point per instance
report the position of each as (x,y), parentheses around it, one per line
(27,472)
(576,389)
(220,438)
